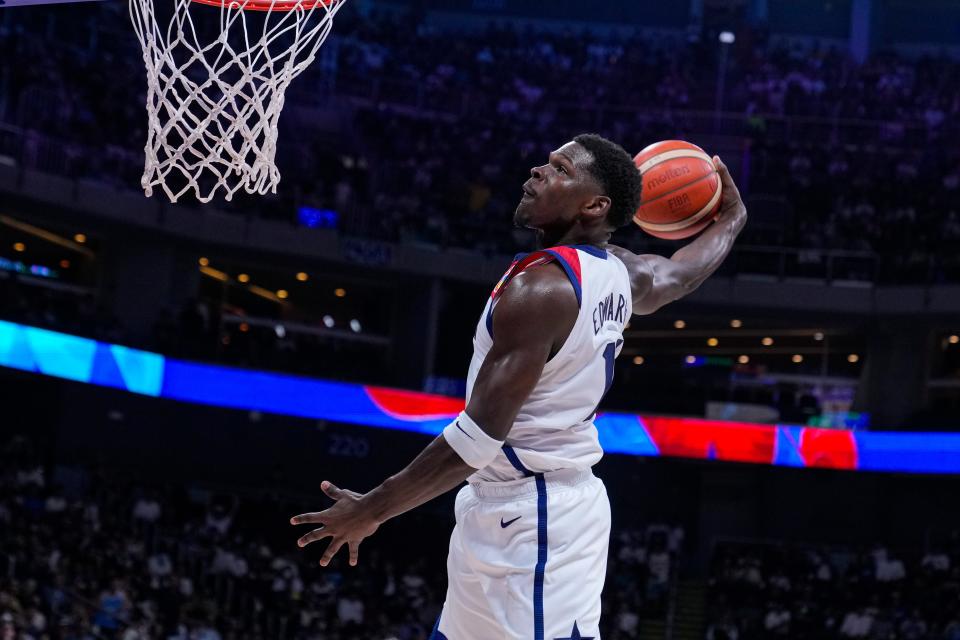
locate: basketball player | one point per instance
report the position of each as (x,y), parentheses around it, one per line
(528,553)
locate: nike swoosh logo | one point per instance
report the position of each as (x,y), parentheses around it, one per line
(464,432)
(504,525)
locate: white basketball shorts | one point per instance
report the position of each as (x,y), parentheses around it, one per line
(527,559)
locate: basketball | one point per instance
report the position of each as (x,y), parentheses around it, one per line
(681,190)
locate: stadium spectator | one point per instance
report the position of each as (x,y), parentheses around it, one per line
(857,624)
(201,573)
(877,594)
(420,95)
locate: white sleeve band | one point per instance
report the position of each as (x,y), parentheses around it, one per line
(471,442)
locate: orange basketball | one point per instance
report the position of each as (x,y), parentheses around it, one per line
(681,190)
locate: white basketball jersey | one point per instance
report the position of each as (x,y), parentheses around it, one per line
(554,428)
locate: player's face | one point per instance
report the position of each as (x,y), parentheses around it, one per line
(557,190)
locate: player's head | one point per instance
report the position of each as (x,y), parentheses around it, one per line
(589,181)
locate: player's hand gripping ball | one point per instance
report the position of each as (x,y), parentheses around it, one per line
(681,190)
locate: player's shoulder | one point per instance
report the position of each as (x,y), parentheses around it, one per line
(538,280)
(540,290)
(538,306)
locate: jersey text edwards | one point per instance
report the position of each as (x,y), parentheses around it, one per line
(605,311)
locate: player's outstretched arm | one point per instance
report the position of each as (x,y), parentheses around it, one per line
(657,281)
(533,317)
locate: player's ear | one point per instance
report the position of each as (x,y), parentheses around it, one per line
(596,208)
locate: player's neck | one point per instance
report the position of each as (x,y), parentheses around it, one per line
(576,236)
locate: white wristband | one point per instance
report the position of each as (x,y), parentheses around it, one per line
(471,442)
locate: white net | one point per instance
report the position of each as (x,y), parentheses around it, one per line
(215,91)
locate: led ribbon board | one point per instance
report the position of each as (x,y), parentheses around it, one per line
(89,361)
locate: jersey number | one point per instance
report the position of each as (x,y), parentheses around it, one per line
(609,355)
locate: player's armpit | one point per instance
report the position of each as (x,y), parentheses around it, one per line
(654,280)
(668,280)
(532,319)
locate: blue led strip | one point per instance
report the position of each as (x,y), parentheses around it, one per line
(80,359)
(83,360)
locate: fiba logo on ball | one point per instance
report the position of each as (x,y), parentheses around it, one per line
(679,201)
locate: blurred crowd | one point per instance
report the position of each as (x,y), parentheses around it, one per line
(792,591)
(445,123)
(39,306)
(105,558)
(195,331)
(93,553)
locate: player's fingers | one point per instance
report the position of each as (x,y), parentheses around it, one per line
(724,172)
(354,552)
(315,517)
(331,551)
(328,488)
(729,187)
(313,536)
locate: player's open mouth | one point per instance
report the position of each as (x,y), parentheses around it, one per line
(528,192)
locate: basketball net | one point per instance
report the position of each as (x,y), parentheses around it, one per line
(213,107)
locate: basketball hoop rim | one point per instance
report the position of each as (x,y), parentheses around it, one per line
(268,5)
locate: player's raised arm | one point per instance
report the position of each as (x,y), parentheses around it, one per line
(533,317)
(657,281)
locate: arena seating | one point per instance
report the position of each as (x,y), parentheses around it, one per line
(91,552)
(427,162)
(783,590)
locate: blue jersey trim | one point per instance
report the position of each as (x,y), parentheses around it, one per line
(577,289)
(435,634)
(596,252)
(515,461)
(540,570)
